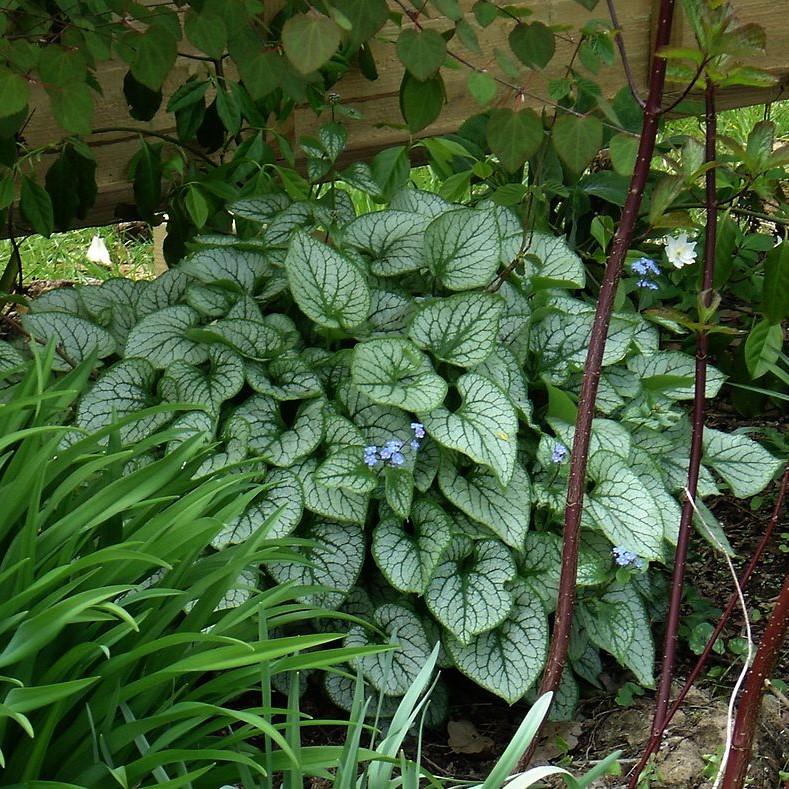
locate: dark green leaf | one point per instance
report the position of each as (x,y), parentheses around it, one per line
(577,141)
(196,206)
(72,106)
(147,180)
(143,102)
(14,92)
(59,183)
(207,31)
(533,44)
(421,101)
(422,52)
(154,56)
(514,136)
(309,41)
(482,86)
(485,13)
(367,17)
(763,347)
(390,169)
(775,292)
(36,207)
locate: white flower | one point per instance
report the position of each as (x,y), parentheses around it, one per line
(679,251)
(98,252)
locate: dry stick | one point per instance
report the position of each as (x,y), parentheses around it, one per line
(557,656)
(694,465)
(656,737)
(750,701)
(620,42)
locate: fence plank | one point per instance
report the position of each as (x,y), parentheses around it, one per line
(381,124)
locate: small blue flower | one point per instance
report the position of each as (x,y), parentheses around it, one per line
(414,444)
(559,454)
(397,459)
(644,267)
(371,456)
(389,449)
(419,429)
(647,283)
(625,558)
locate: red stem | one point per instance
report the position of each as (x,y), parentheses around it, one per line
(656,737)
(750,700)
(694,465)
(557,656)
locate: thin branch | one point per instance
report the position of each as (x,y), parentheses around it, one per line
(557,657)
(158,135)
(655,738)
(620,43)
(697,435)
(688,88)
(750,701)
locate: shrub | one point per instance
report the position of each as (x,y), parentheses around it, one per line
(128,652)
(405,382)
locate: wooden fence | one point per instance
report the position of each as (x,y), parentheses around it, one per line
(378,100)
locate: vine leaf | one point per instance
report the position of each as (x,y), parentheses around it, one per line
(508,659)
(577,140)
(514,136)
(483,428)
(504,510)
(461,329)
(395,372)
(327,286)
(467,593)
(309,40)
(408,553)
(392,673)
(334,561)
(422,52)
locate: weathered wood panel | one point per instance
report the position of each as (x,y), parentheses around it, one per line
(381,124)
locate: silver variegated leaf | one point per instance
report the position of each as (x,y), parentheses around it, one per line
(327,286)
(236,268)
(503,369)
(340,505)
(345,468)
(558,267)
(209,300)
(462,248)
(394,240)
(290,445)
(408,551)
(508,659)
(389,311)
(75,338)
(618,623)
(333,561)
(287,377)
(675,365)
(283,496)
(420,202)
(252,339)
(161,338)
(395,372)
(467,592)
(504,510)
(461,329)
(124,389)
(166,290)
(392,673)
(747,467)
(622,508)
(185,383)
(399,489)
(483,428)
(261,209)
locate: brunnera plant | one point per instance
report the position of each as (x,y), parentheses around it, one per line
(404,381)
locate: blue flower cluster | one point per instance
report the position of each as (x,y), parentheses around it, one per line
(645,269)
(391,452)
(559,453)
(625,558)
